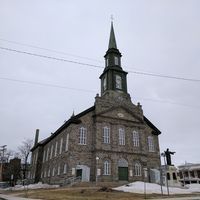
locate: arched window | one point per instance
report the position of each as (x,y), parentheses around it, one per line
(82,135)
(104,83)
(67,142)
(118,82)
(49,172)
(106,135)
(151,144)
(58,170)
(136,140)
(61,144)
(138,169)
(53,172)
(121,136)
(65,169)
(106,167)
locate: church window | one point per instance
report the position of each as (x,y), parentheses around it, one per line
(49,172)
(61,144)
(55,153)
(116,60)
(118,82)
(136,141)
(106,62)
(174,176)
(65,169)
(44,156)
(53,172)
(104,83)
(58,170)
(82,135)
(106,168)
(67,143)
(47,156)
(106,135)
(151,144)
(121,137)
(138,169)
(168,176)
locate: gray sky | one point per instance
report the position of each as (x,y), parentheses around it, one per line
(161,37)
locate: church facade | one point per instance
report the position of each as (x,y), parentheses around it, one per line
(110,141)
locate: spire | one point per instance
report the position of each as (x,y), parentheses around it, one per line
(112,41)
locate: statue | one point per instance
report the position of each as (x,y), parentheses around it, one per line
(168,156)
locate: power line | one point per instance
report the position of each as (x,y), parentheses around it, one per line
(92,91)
(45,84)
(98,66)
(50,50)
(50,57)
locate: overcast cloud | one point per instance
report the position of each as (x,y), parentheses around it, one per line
(161,37)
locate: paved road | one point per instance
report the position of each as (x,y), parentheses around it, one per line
(181,198)
(9,197)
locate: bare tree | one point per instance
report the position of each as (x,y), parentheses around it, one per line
(24,151)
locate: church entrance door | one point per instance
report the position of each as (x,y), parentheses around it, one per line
(79,173)
(123,173)
(122,170)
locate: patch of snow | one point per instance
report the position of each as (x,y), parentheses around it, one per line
(33,186)
(139,187)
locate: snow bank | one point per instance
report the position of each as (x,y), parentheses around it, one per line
(138,187)
(32,186)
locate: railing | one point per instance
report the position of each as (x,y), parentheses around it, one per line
(72,180)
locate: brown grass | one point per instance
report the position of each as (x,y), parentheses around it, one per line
(86,193)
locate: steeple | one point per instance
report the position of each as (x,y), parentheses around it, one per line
(112,41)
(113,77)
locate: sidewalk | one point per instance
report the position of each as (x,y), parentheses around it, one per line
(180,198)
(9,197)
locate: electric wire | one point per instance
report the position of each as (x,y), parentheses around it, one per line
(50,50)
(98,66)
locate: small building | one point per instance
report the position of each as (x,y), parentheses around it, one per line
(110,141)
(10,171)
(189,173)
(170,176)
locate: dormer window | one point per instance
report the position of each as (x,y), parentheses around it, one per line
(104,83)
(118,82)
(106,62)
(116,60)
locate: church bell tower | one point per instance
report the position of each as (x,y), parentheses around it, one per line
(113,77)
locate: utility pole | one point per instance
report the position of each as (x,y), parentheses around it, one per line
(3,149)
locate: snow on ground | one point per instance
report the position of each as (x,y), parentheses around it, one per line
(32,186)
(139,187)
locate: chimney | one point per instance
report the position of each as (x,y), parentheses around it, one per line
(36,136)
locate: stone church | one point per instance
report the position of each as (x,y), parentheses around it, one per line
(110,141)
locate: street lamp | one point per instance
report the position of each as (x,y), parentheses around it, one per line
(145,176)
(97,159)
(163,155)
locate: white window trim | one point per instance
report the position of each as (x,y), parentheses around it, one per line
(106,135)
(151,145)
(61,144)
(56,147)
(67,143)
(58,173)
(121,136)
(138,169)
(106,168)
(65,169)
(136,139)
(82,136)
(44,154)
